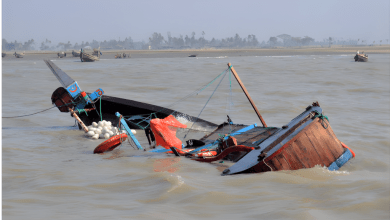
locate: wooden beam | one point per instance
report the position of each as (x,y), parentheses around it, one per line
(78,120)
(247,94)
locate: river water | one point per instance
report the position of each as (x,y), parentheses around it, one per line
(49,170)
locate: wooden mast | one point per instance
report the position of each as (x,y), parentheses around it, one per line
(247,94)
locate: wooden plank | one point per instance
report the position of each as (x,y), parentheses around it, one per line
(323,151)
(271,163)
(292,159)
(306,161)
(274,163)
(338,145)
(263,167)
(326,141)
(311,154)
(283,162)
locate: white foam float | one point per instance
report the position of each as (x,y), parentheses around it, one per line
(104,130)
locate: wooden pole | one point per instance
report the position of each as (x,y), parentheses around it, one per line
(79,120)
(247,94)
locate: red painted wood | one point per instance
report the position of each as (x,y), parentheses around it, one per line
(276,165)
(283,162)
(273,164)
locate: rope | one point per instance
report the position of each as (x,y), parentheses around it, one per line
(206,104)
(197,91)
(81,111)
(30,114)
(267,164)
(39,111)
(323,122)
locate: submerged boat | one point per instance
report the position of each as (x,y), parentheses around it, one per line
(361,57)
(100,106)
(306,141)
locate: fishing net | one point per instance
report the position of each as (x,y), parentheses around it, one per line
(164,131)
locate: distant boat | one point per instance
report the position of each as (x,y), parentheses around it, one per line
(361,57)
(84,57)
(61,55)
(118,56)
(18,55)
(75,54)
(193,55)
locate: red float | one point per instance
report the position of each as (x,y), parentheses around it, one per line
(110,144)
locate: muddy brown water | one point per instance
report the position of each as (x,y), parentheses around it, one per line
(50,172)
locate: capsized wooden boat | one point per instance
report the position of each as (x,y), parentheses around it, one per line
(95,106)
(361,57)
(306,141)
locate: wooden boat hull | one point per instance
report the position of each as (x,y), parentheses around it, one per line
(360,58)
(308,140)
(75,54)
(88,58)
(314,145)
(108,106)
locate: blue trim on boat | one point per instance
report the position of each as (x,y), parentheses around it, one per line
(232,134)
(209,145)
(347,155)
(160,150)
(128,130)
(244,129)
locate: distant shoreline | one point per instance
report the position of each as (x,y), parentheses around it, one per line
(211,52)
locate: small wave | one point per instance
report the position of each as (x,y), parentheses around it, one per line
(177,182)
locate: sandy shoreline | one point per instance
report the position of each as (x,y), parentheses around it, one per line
(37,55)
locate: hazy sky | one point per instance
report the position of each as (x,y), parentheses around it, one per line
(85,20)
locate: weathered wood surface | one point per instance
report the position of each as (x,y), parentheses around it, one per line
(314,145)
